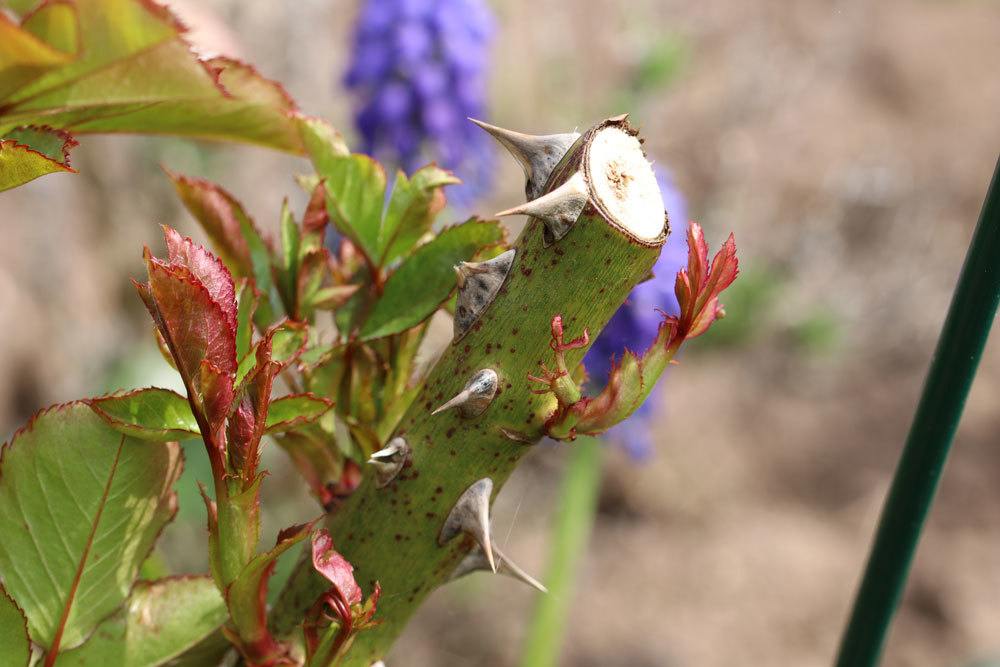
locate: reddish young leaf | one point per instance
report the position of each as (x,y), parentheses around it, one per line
(247,423)
(329,476)
(697,288)
(328,562)
(196,327)
(620,397)
(216,389)
(192,301)
(316,217)
(232,232)
(337,612)
(246,598)
(207,268)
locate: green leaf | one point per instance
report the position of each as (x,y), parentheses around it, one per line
(123,66)
(240,105)
(20,164)
(161,620)
(288,341)
(154,414)
(19,6)
(57,24)
(15,647)
(143,77)
(323,144)
(426,278)
(290,412)
(313,289)
(235,237)
(53,144)
(24,56)
(118,29)
(412,206)
(247,364)
(288,268)
(80,508)
(332,297)
(247,595)
(246,305)
(355,189)
(355,184)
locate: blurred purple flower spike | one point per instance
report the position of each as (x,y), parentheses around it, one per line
(635,324)
(418,70)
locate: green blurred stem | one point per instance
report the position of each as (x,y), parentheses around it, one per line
(574,520)
(952,370)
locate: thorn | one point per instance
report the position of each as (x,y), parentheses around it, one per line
(477,395)
(517,436)
(389,460)
(478,285)
(475,561)
(537,154)
(471,515)
(559,209)
(519,574)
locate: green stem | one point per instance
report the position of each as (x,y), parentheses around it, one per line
(952,370)
(391,534)
(238,524)
(574,520)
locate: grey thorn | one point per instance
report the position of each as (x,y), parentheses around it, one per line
(476,396)
(471,515)
(537,154)
(389,460)
(559,209)
(475,561)
(515,435)
(478,285)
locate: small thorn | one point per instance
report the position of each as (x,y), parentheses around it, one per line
(519,574)
(537,154)
(471,515)
(478,285)
(460,398)
(389,460)
(488,548)
(476,396)
(559,209)
(515,435)
(476,561)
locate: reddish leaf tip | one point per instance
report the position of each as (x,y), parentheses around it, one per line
(337,570)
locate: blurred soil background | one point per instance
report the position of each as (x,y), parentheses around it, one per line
(847,144)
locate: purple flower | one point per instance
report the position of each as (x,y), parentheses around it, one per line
(418,71)
(635,324)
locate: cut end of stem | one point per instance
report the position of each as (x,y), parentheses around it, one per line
(623,184)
